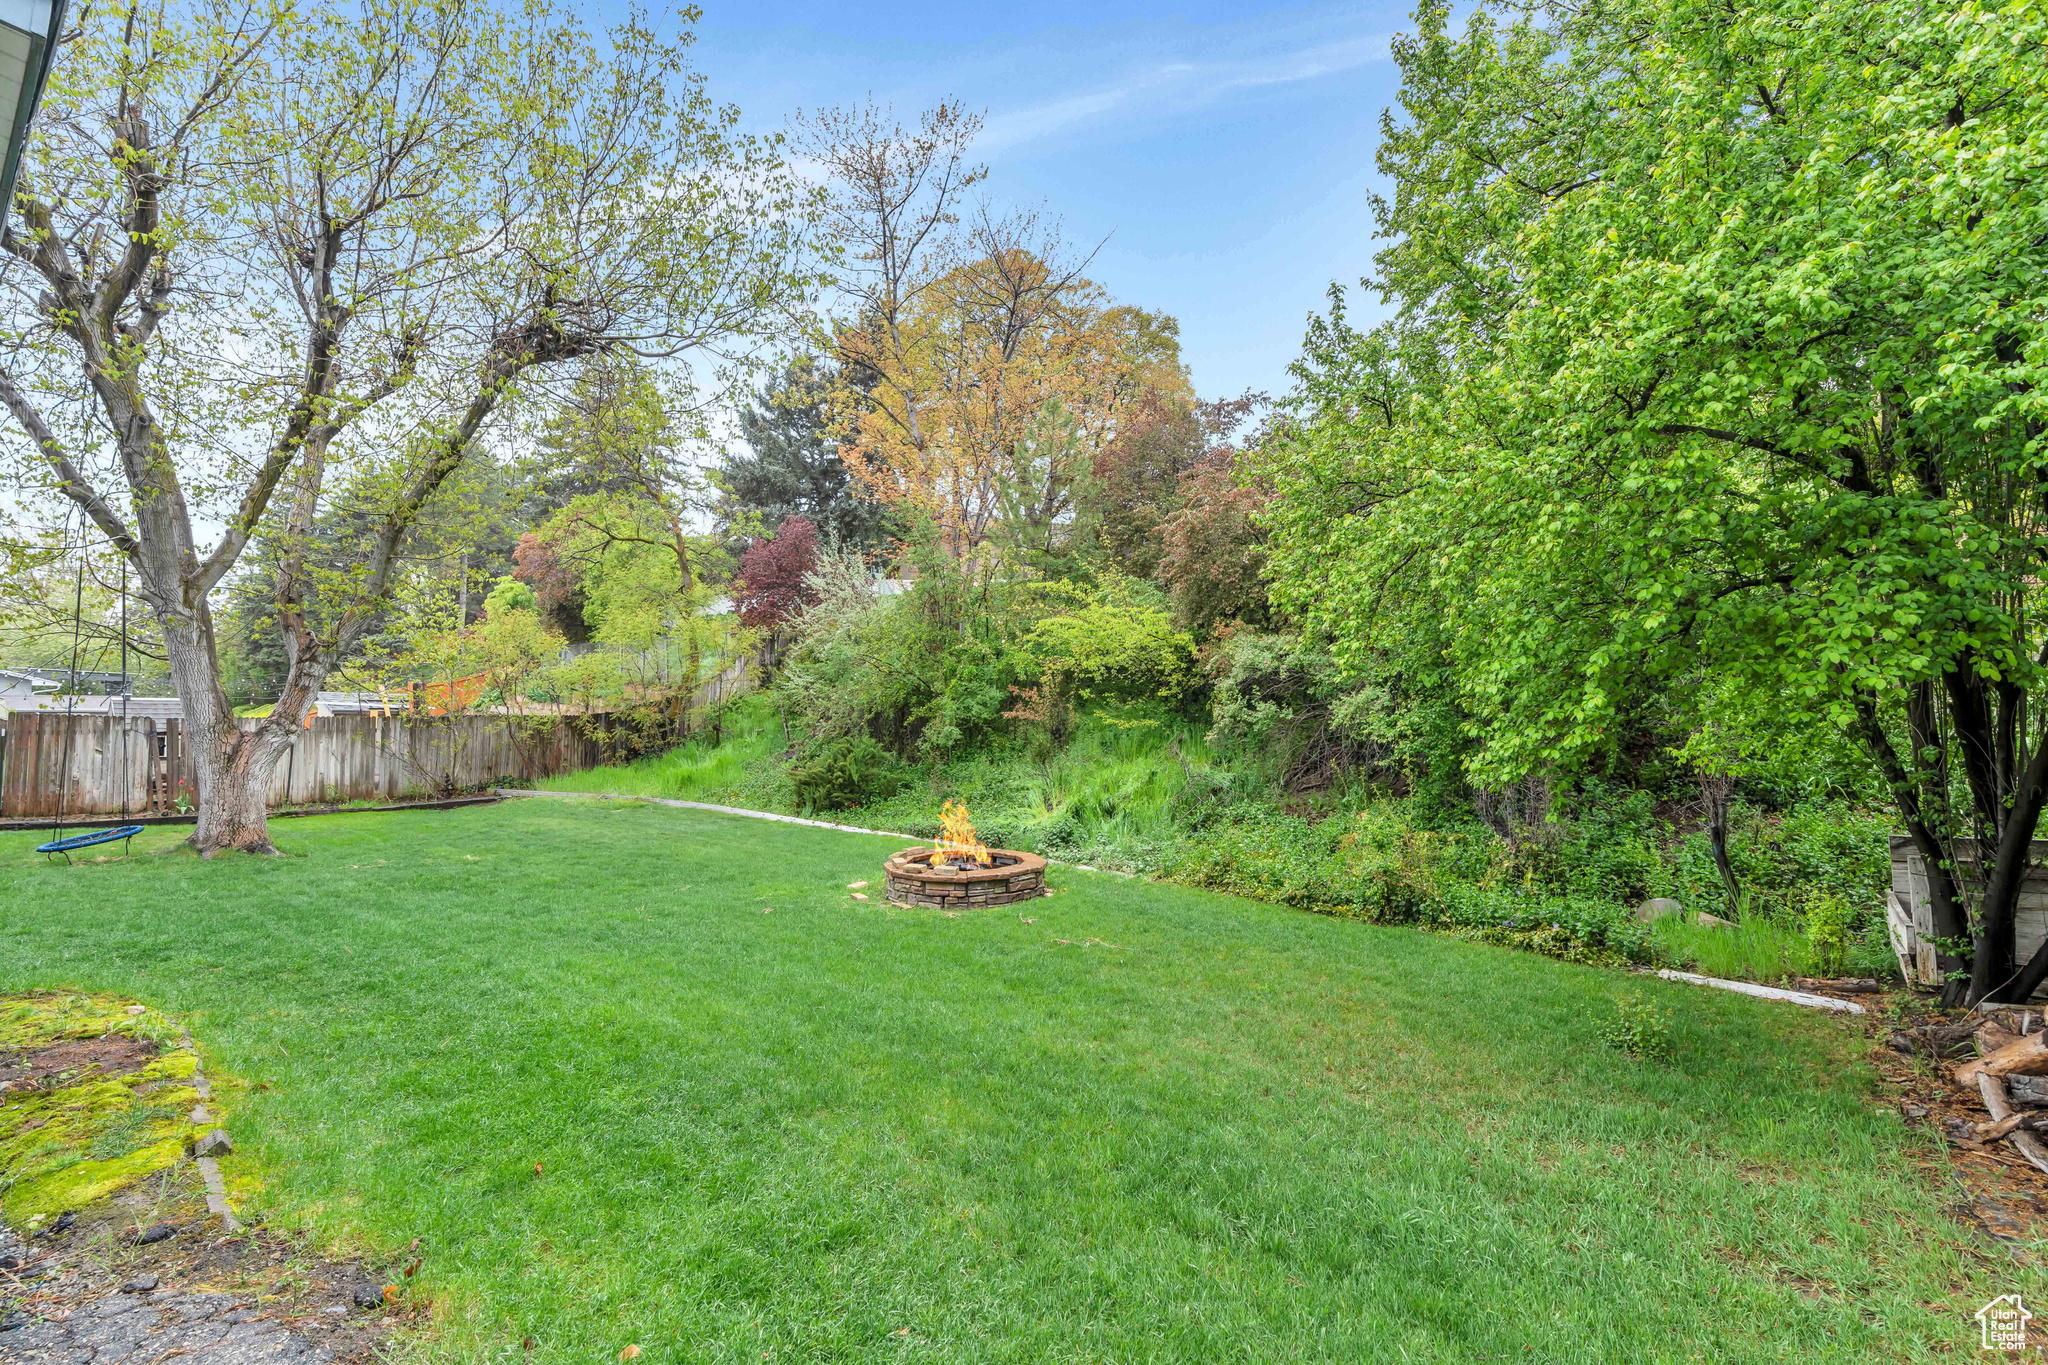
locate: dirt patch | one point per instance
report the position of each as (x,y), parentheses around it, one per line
(111,1056)
(147,1273)
(111,1249)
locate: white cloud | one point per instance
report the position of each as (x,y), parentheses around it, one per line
(1179,86)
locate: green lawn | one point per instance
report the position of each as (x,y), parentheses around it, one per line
(1154,1125)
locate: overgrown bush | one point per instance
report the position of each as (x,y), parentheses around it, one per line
(1380,867)
(841,773)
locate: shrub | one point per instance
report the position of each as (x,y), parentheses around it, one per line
(845,772)
(1380,867)
(1639,1028)
(1116,644)
(1828,921)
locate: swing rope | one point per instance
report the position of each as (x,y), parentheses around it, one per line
(127,690)
(125,831)
(71,686)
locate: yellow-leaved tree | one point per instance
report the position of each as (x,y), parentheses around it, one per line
(980,368)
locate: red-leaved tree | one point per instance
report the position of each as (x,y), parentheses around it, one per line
(556,579)
(1213,550)
(770,587)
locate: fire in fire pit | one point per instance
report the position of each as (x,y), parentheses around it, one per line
(962,872)
(958,844)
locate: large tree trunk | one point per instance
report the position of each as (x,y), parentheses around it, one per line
(1944,889)
(234,767)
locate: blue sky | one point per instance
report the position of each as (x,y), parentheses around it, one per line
(1225,151)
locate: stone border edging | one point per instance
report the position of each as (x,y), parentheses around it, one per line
(766,815)
(209,1169)
(722,810)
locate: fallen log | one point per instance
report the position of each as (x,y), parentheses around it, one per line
(1992,1088)
(1860,985)
(1992,1037)
(2026,1057)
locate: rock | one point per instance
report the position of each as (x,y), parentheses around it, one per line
(1657,907)
(135,1009)
(161,1232)
(141,1284)
(213,1143)
(367,1295)
(65,1222)
(1713,921)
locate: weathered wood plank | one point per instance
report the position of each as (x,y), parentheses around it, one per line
(115,761)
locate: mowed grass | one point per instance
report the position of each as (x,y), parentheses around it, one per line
(1131,1122)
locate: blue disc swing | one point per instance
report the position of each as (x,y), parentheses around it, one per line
(123,832)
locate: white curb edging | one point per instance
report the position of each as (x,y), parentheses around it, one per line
(766,815)
(722,810)
(1819,1002)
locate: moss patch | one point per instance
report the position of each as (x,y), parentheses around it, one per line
(69,1139)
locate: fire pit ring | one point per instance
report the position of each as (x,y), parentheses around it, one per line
(1008,877)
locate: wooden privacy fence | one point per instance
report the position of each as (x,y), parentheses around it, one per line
(140,764)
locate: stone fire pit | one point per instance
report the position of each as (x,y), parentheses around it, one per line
(1007,878)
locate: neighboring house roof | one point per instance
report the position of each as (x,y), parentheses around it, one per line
(14,680)
(159,708)
(360,703)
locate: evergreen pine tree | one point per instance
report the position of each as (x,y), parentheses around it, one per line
(791,467)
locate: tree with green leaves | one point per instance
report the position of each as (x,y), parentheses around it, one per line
(791,466)
(269,260)
(1717,354)
(640,576)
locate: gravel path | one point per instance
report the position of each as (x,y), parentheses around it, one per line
(131,1329)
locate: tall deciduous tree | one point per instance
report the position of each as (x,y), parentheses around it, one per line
(956,428)
(1720,353)
(639,569)
(1138,476)
(958,330)
(267,259)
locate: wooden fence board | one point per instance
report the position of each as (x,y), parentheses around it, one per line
(100,765)
(95,764)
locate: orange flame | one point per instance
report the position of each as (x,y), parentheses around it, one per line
(956,836)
